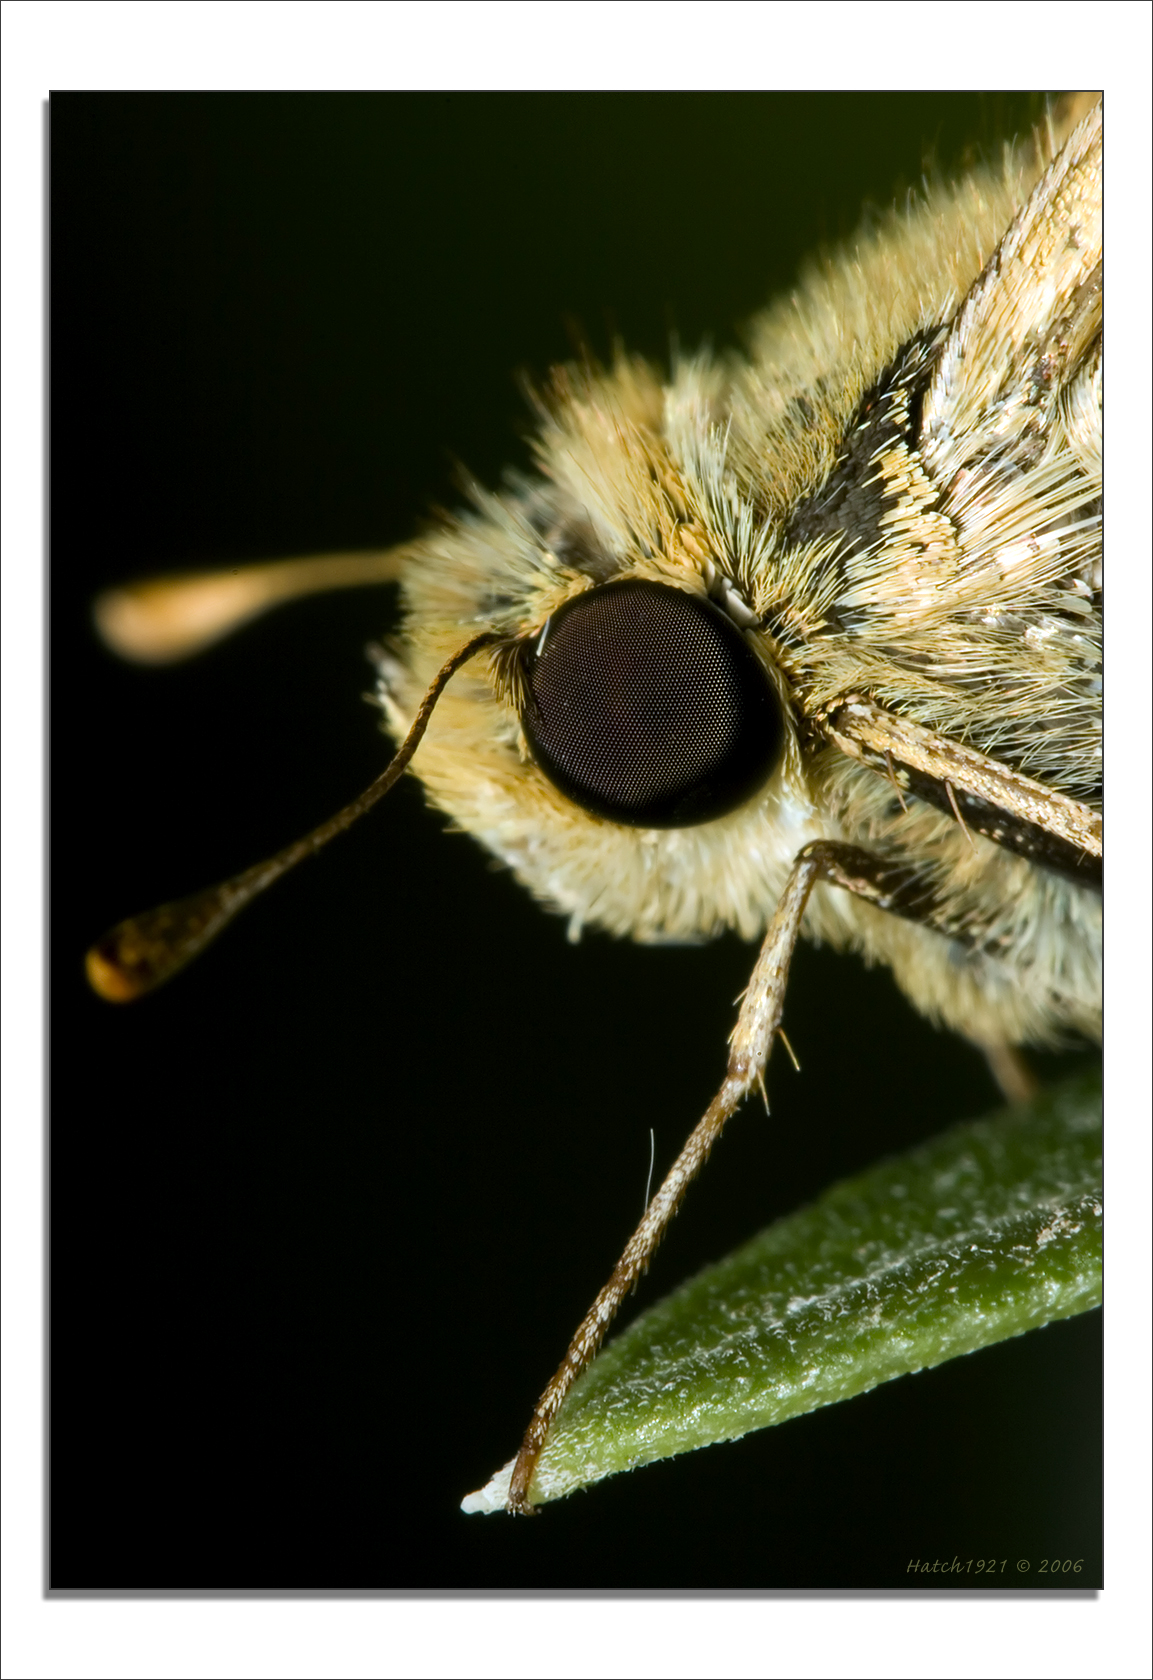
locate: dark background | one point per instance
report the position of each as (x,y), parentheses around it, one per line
(326,1210)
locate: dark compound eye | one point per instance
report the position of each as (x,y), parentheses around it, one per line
(648,706)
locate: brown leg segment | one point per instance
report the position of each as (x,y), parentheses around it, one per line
(1012,1072)
(757,1025)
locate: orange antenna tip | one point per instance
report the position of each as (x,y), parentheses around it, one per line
(160,620)
(109,979)
(143,952)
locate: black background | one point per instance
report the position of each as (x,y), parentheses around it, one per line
(326,1210)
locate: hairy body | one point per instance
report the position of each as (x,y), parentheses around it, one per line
(896,498)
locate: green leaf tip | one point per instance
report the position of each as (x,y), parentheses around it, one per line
(989,1230)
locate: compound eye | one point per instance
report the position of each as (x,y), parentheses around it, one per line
(646,705)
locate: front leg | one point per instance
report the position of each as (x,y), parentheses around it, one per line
(858,872)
